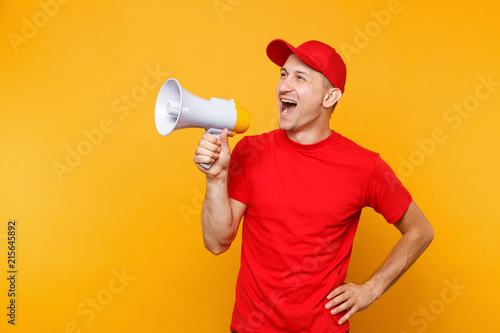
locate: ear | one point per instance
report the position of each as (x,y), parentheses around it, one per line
(331,97)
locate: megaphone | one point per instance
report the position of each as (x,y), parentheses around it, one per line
(177,108)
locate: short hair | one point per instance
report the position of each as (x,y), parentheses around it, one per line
(326,83)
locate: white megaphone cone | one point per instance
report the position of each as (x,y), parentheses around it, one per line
(177,108)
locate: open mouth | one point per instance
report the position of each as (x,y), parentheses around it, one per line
(287,106)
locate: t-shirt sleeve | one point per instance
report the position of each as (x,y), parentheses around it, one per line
(386,194)
(237,181)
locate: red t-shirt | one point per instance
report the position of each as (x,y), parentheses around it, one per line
(304,204)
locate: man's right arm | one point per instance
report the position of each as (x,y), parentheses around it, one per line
(221,215)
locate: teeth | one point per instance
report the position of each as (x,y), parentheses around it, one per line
(288,102)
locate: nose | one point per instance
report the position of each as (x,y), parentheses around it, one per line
(284,85)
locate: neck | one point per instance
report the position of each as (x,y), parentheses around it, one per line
(309,137)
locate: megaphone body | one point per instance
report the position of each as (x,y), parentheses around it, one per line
(177,108)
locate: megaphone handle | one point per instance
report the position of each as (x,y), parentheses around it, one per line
(217,133)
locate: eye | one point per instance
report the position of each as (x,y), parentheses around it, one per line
(301,78)
(283,75)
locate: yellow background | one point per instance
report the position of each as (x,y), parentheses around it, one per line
(131,206)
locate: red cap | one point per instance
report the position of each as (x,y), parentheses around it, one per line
(318,55)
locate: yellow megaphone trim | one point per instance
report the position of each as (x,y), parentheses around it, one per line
(243,119)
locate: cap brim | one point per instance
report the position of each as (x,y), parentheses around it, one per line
(278,51)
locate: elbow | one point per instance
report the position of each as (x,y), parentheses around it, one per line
(217,249)
(218,244)
(429,235)
(421,236)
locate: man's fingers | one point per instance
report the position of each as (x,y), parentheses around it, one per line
(213,150)
(350,298)
(339,303)
(343,304)
(209,144)
(337,300)
(201,154)
(340,299)
(210,137)
(207,150)
(206,147)
(203,160)
(348,315)
(337,291)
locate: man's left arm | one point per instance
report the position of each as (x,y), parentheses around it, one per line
(417,234)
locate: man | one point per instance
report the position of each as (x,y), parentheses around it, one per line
(301,189)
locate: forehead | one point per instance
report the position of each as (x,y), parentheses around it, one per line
(293,63)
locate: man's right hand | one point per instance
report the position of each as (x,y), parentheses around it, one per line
(213,150)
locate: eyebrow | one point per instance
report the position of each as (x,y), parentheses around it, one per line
(296,72)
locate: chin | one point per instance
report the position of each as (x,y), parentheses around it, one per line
(288,123)
(286,127)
